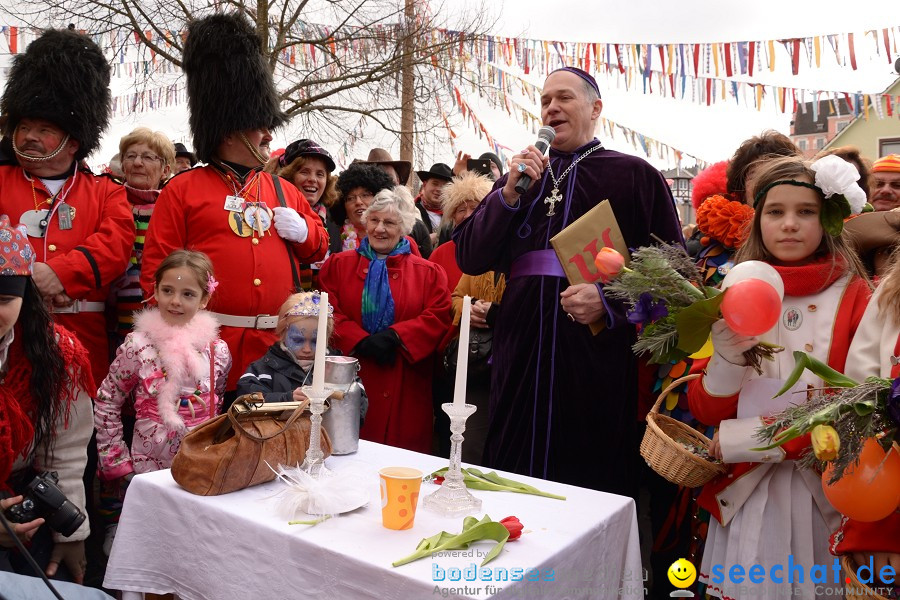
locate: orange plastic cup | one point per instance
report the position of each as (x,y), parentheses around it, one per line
(399,496)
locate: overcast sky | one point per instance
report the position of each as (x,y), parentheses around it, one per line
(711,133)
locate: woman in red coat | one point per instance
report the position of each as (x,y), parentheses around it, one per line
(391,310)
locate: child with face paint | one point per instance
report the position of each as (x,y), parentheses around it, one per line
(288,364)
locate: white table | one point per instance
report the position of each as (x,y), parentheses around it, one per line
(235,546)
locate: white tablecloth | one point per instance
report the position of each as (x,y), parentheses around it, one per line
(235,546)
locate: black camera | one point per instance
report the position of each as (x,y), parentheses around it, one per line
(44,499)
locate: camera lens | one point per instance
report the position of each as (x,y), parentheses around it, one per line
(66,519)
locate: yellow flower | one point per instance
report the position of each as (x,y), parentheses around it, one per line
(825,442)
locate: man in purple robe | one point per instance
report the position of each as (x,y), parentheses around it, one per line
(563,401)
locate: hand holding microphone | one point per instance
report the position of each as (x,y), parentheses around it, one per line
(527,166)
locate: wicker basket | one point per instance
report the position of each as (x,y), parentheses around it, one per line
(854,590)
(665,455)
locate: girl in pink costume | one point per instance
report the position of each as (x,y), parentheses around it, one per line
(175,365)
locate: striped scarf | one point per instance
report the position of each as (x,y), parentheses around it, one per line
(377,301)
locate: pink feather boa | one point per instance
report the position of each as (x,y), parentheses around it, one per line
(181,353)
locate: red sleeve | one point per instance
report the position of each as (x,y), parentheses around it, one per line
(709,409)
(103,255)
(878,536)
(422,335)
(314,248)
(335,278)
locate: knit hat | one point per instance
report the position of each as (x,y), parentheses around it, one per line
(889,163)
(305,147)
(16,258)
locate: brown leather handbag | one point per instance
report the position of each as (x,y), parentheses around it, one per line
(230,452)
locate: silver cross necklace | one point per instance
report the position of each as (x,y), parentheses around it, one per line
(555,196)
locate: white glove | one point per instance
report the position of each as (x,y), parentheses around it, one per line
(290,225)
(70,554)
(730,345)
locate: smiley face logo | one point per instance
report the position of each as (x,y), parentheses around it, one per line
(682,573)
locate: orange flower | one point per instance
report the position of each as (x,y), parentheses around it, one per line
(725,220)
(609,264)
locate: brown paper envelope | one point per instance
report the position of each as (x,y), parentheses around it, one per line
(578,244)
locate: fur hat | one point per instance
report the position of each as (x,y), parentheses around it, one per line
(63,78)
(467,187)
(229,85)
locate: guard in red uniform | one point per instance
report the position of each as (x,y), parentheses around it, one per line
(256,228)
(58,102)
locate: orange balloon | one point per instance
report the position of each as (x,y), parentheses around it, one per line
(870,490)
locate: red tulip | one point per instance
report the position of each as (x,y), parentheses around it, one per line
(514,527)
(438,480)
(609,264)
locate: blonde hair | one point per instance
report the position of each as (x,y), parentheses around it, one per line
(156,140)
(889,299)
(793,168)
(285,321)
(197,262)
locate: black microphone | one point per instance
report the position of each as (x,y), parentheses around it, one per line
(545,138)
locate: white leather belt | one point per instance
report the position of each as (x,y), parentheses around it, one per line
(257,322)
(79,306)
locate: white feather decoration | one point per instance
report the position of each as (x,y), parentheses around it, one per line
(333,494)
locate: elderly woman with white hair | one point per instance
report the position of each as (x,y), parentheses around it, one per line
(391,310)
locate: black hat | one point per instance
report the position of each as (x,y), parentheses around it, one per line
(63,78)
(229,85)
(494,159)
(181,150)
(305,147)
(439,170)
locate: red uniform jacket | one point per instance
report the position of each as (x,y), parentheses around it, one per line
(254,272)
(400,412)
(445,255)
(712,410)
(86,258)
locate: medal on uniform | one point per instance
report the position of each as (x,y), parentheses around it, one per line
(35,222)
(66,214)
(236,222)
(258,216)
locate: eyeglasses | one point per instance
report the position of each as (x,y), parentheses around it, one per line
(132,156)
(364,196)
(388,224)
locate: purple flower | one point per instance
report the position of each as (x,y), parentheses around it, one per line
(645,310)
(893,402)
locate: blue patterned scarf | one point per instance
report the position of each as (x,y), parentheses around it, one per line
(377,301)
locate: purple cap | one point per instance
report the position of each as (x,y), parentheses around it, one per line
(583,74)
(305,147)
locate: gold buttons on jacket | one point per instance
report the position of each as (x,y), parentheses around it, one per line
(395,276)
(257,282)
(811,308)
(366,270)
(255,241)
(52,247)
(808,347)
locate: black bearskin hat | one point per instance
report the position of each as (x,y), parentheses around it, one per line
(63,78)
(229,85)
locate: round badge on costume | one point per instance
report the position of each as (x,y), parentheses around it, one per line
(258,217)
(724,268)
(236,222)
(35,222)
(792,318)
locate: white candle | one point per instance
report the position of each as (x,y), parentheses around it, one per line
(321,345)
(462,358)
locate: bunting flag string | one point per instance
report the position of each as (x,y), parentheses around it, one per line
(149,99)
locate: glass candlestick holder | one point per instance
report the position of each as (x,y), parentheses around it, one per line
(453,499)
(314,463)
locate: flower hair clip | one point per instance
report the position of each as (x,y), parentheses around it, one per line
(837,180)
(211,284)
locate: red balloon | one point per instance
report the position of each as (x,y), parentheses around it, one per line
(751,307)
(869,491)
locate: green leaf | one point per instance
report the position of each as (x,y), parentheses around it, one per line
(835,209)
(473,531)
(695,322)
(804,361)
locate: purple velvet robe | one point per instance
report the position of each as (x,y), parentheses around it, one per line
(564,402)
